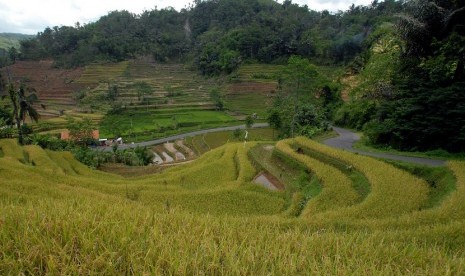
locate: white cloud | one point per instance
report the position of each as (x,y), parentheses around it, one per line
(30,17)
(25,16)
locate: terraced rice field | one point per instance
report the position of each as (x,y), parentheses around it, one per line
(253,89)
(160,95)
(54,87)
(206,217)
(167,85)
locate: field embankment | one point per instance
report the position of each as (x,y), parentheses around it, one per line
(72,219)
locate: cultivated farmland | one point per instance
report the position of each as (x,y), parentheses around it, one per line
(206,217)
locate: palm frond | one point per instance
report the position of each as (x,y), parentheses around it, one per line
(33,114)
(32,98)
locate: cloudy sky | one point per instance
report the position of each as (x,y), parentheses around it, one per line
(32,16)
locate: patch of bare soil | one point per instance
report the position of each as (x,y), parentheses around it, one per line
(168,158)
(178,155)
(268,147)
(349,82)
(190,152)
(247,87)
(53,86)
(269,181)
(157,159)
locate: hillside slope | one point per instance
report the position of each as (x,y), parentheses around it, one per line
(8,40)
(207,218)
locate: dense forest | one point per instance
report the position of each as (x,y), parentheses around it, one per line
(407,56)
(215,35)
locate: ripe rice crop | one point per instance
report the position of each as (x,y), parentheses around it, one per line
(393,191)
(82,221)
(337,189)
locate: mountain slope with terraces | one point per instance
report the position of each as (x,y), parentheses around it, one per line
(54,87)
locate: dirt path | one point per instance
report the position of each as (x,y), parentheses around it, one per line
(347,138)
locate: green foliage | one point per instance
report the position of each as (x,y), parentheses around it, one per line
(157,123)
(407,95)
(143,89)
(249,121)
(302,107)
(216,36)
(80,131)
(356,114)
(217,98)
(21,107)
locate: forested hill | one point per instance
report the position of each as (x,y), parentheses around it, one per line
(11,40)
(215,35)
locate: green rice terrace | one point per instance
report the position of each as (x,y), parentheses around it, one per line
(144,99)
(332,212)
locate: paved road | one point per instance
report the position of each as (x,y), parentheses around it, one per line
(182,136)
(347,138)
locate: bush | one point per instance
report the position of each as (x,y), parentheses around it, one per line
(355,114)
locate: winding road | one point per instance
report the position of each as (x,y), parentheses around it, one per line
(345,141)
(182,136)
(347,138)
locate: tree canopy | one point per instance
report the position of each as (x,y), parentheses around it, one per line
(215,35)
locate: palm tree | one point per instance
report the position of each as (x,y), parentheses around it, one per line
(22,107)
(426,20)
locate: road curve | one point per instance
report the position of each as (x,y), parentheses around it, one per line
(345,141)
(182,136)
(347,138)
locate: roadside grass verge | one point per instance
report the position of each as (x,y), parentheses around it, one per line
(205,142)
(364,145)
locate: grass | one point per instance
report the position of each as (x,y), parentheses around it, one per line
(337,189)
(203,143)
(109,72)
(364,145)
(248,104)
(252,89)
(206,217)
(161,123)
